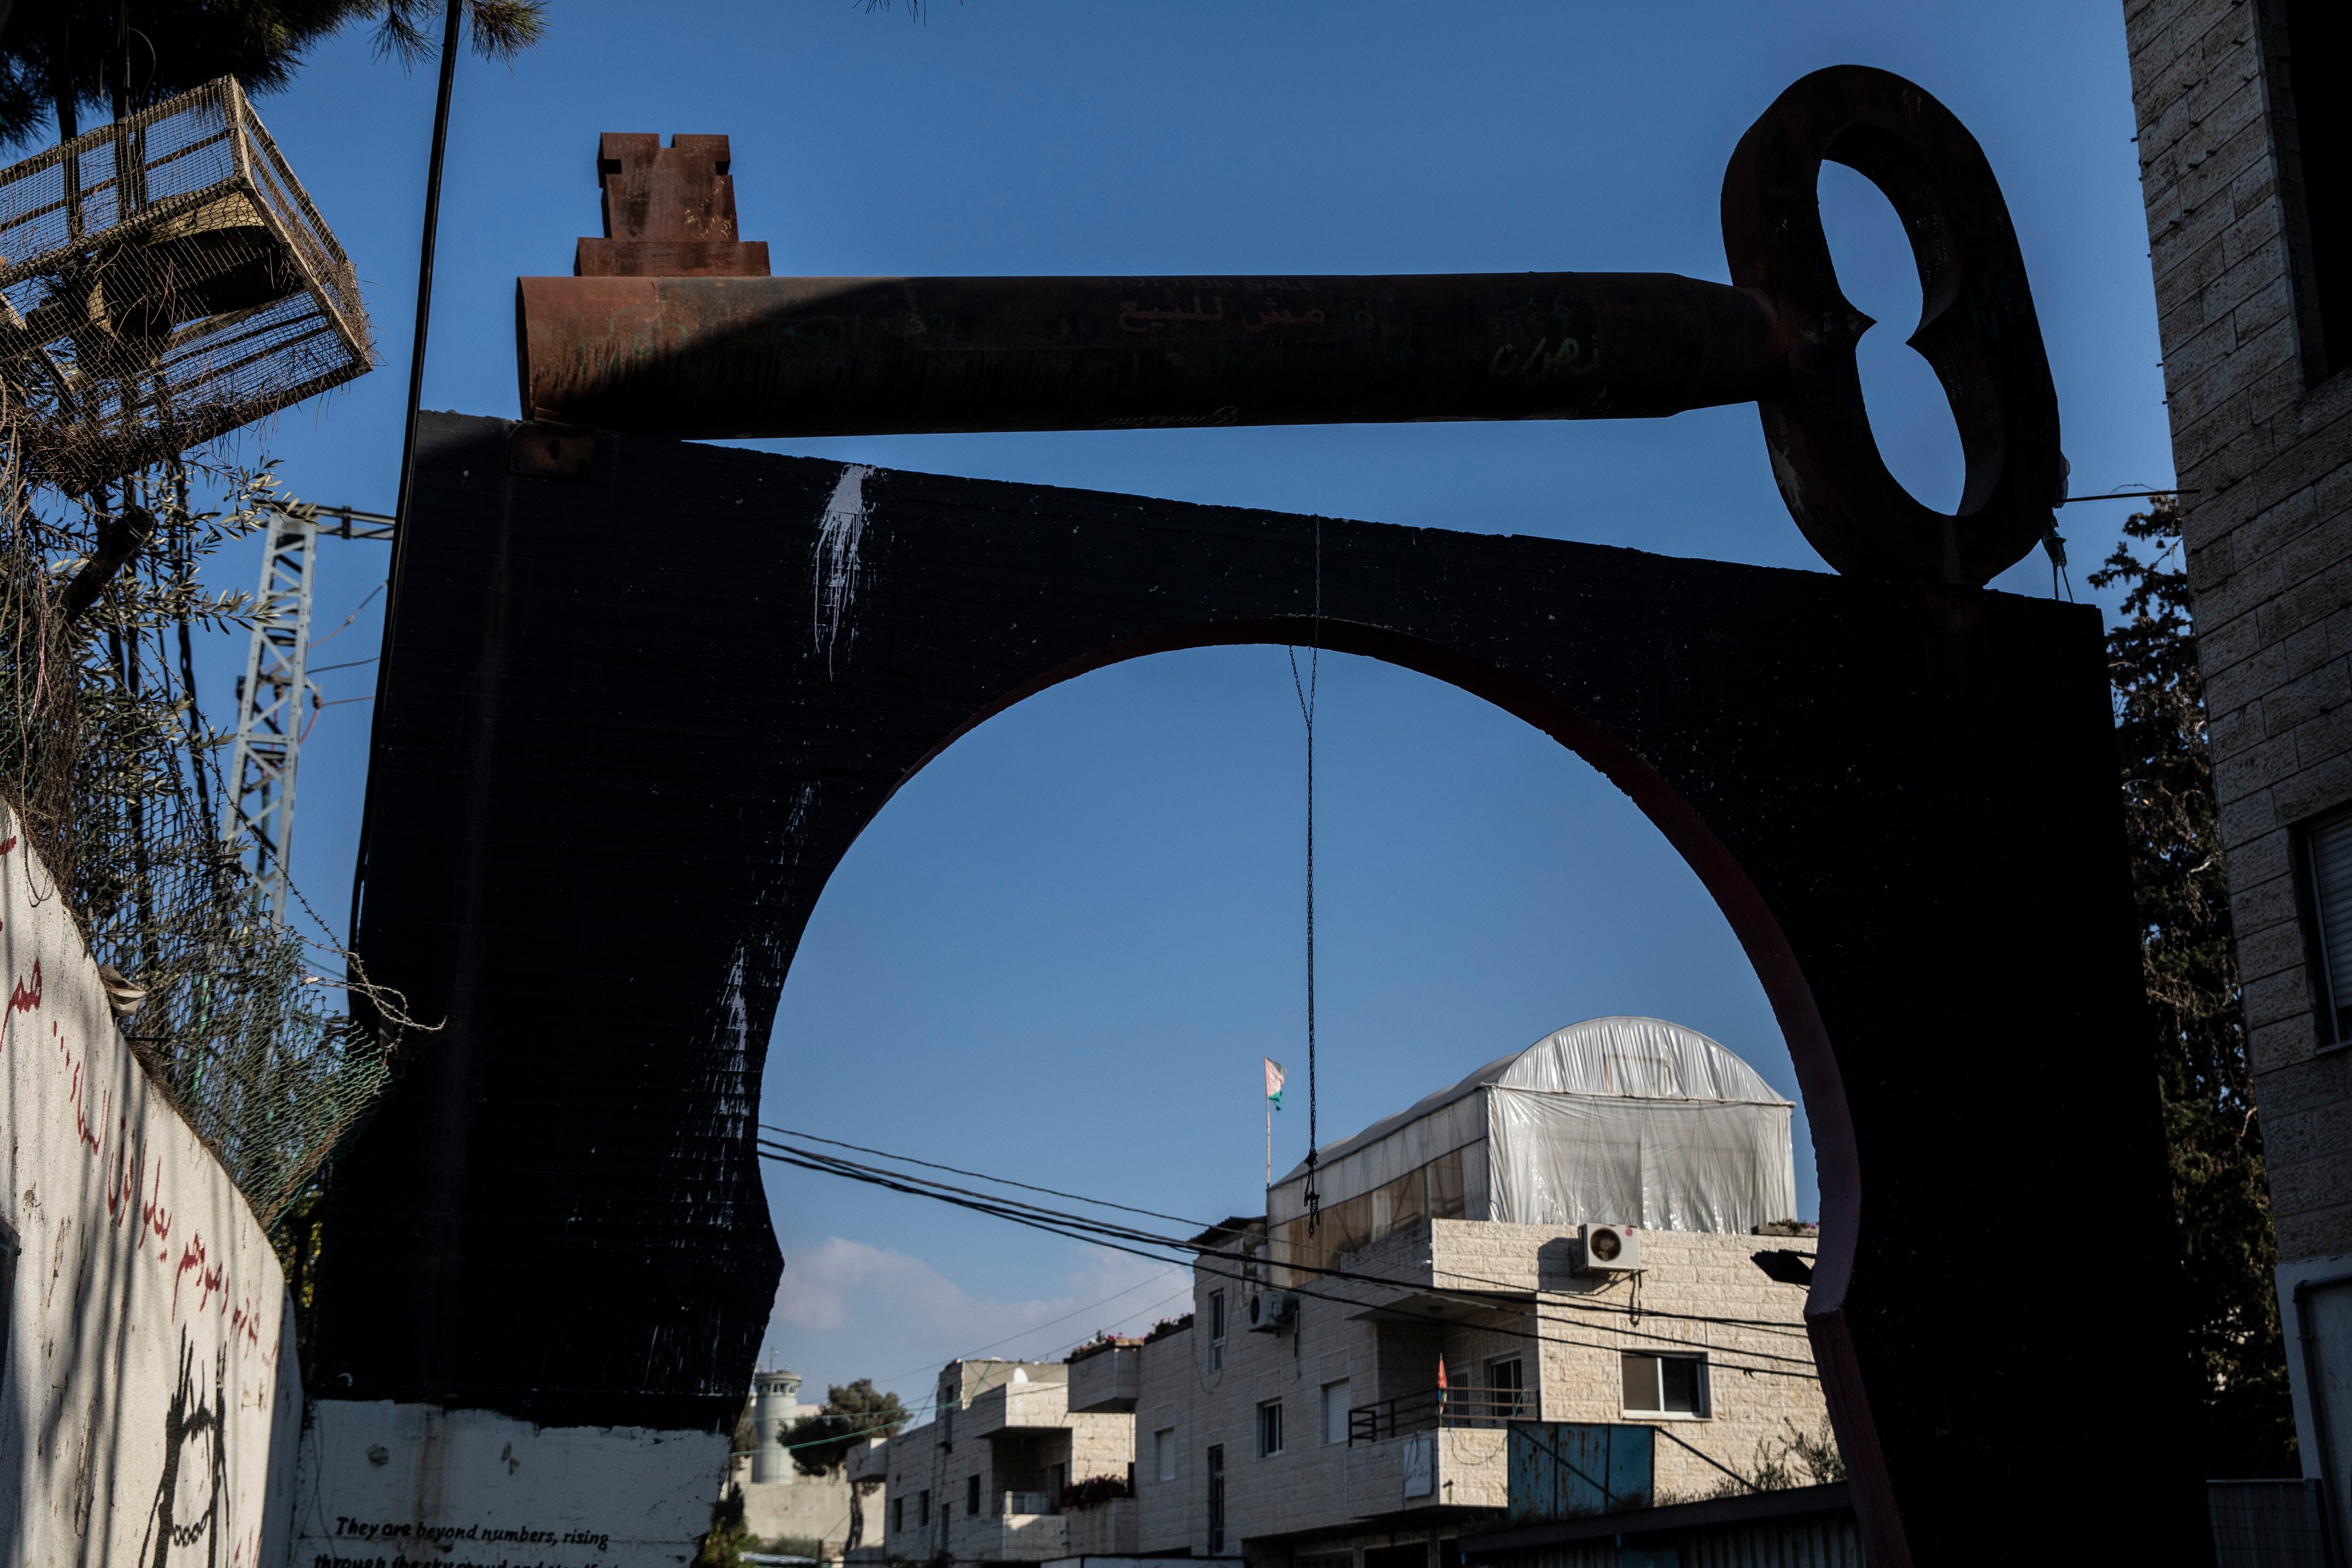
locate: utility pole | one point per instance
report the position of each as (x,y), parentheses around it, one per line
(259,807)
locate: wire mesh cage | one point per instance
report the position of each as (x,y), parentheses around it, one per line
(163,280)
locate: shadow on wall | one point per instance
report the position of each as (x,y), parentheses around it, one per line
(151,1400)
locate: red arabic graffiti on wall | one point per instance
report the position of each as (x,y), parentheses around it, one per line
(195,1275)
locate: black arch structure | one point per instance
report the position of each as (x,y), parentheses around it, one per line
(630,721)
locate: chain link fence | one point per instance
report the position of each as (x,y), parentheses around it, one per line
(272,1044)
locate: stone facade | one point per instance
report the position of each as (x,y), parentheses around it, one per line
(1359,1366)
(2262,434)
(982,1480)
(2264,455)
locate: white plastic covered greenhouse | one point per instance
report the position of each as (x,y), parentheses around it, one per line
(1628,1120)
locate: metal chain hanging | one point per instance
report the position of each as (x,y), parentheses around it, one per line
(1307,692)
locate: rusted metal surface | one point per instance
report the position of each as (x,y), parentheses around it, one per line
(686,353)
(837,356)
(669,211)
(1978,330)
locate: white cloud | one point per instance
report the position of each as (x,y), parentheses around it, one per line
(818,1285)
(848,1309)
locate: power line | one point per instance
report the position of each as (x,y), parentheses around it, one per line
(979,1175)
(1102,1239)
(1124,1240)
(2125,495)
(1099,1301)
(1469,1297)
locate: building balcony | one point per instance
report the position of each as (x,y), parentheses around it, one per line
(1106,1377)
(1023,1504)
(1437,1467)
(1107,1528)
(1019,1407)
(1011,1537)
(870,1460)
(1438,1409)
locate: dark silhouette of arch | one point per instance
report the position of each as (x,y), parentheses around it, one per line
(631,718)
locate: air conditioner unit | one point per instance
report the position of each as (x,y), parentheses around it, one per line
(1611,1250)
(1271,1311)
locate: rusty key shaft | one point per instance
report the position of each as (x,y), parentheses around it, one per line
(808,356)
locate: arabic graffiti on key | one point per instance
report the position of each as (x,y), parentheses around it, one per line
(1131,313)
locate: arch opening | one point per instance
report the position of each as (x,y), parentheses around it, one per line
(1723,883)
(1842,750)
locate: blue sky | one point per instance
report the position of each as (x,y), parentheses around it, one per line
(1061,950)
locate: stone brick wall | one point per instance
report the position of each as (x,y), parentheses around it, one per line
(1321,1495)
(1167,1383)
(1698,1292)
(2265,465)
(1761,1390)
(1021,1459)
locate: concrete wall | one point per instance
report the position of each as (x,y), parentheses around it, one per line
(1321,1493)
(2269,531)
(809,1507)
(151,1397)
(386,1485)
(778,1500)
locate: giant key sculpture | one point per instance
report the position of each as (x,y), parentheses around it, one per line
(698,355)
(595,858)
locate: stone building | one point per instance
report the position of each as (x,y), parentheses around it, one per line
(2245,145)
(983,1479)
(1346,1394)
(1344,1388)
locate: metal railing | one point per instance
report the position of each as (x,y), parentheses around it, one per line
(1013,1502)
(1434,1408)
(2266,1523)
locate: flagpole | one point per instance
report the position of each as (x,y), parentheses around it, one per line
(1274,1076)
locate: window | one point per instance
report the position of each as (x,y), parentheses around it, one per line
(1216,1330)
(922,1508)
(1216,1466)
(1269,1428)
(2305,45)
(1665,1385)
(897,1513)
(1057,1481)
(1163,1453)
(971,1497)
(1335,1411)
(2327,906)
(1507,1388)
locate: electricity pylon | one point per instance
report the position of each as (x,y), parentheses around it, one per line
(259,807)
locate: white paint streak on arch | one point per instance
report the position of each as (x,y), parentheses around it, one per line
(841,530)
